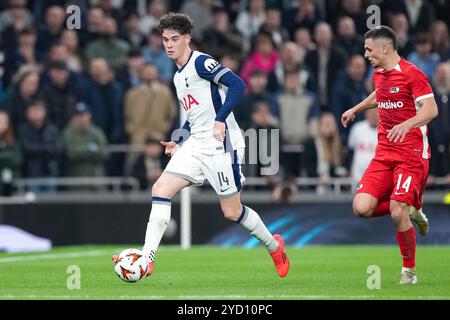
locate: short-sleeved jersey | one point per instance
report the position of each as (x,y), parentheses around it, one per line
(398,93)
(201,96)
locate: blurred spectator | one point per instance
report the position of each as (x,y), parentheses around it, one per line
(23,92)
(302,37)
(104,96)
(16,13)
(299,112)
(400,24)
(305,15)
(149,108)
(148,167)
(12,22)
(200,12)
(256,91)
(355,10)
(155,10)
(325,63)
(363,139)
(423,57)
(442,8)
(111,9)
(348,91)
(93,30)
(10,156)
(325,152)
(250,20)
(231,61)
(59,96)
(272,25)
(85,145)
(440,40)
(155,53)
(109,46)
(264,57)
(291,58)
(131,32)
(439,128)
(41,144)
(221,38)
(128,76)
(420,14)
(69,39)
(347,40)
(25,53)
(285,191)
(55,23)
(262,121)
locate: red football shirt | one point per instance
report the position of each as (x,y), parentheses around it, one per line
(398,92)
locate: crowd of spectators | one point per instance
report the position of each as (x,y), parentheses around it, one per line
(67,95)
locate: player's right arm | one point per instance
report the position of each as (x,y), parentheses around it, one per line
(368,103)
(178,137)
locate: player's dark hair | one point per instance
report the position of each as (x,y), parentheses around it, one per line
(383,32)
(178,22)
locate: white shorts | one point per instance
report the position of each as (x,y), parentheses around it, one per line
(223,171)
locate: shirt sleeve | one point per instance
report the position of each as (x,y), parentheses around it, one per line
(209,69)
(419,84)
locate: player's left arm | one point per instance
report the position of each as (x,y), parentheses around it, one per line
(428,109)
(427,112)
(211,70)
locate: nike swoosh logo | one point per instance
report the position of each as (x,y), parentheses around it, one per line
(224,190)
(399,193)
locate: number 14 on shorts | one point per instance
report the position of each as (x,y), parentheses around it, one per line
(403,184)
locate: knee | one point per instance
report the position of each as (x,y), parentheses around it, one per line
(362,209)
(232,213)
(397,211)
(158,190)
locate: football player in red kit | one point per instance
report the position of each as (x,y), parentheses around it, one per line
(394,182)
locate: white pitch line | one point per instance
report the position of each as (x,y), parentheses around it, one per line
(54,256)
(218,297)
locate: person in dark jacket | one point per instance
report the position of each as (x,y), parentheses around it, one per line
(148,167)
(59,95)
(41,145)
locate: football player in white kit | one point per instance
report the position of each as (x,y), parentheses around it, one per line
(208,92)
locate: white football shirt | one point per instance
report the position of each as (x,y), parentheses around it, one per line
(201,96)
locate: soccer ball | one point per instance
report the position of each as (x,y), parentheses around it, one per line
(132,265)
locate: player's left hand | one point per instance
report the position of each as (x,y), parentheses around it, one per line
(219,131)
(398,132)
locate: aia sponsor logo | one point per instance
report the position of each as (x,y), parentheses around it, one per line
(390,104)
(188,102)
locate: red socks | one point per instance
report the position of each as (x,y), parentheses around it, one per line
(407,243)
(382,209)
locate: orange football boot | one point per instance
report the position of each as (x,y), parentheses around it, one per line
(279,257)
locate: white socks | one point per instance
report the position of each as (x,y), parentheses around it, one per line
(157,224)
(251,221)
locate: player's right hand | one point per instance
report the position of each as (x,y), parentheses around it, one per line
(347,117)
(171,147)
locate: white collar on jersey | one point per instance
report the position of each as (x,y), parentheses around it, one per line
(397,67)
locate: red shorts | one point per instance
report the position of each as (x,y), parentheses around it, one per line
(397,176)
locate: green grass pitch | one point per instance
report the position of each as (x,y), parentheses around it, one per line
(317,272)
